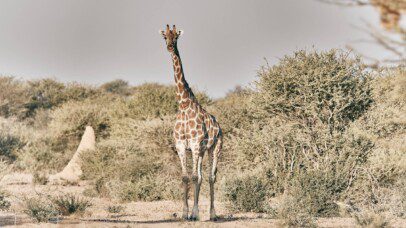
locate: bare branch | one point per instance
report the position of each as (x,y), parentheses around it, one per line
(374,62)
(346,3)
(396,47)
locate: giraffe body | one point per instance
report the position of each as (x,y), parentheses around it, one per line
(195,130)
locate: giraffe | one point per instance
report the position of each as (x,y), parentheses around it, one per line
(195,130)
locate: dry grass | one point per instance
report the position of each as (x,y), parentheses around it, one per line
(315,129)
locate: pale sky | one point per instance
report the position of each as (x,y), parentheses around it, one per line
(224,42)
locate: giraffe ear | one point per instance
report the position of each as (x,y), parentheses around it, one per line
(162,32)
(180,32)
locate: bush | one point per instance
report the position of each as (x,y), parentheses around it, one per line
(379,186)
(72,118)
(117,86)
(316,192)
(145,189)
(13,137)
(40,178)
(13,95)
(24,99)
(48,93)
(310,195)
(154,100)
(44,94)
(371,219)
(299,136)
(4,203)
(293,215)
(316,129)
(233,111)
(115,209)
(136,161)
(71,204)
(246,193)
(314,88)
(39,209)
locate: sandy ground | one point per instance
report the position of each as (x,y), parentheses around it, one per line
(135,214)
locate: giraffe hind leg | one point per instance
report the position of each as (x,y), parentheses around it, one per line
(197,180)
(214,154)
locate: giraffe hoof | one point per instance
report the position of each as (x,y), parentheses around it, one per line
(195,214)
(213,218)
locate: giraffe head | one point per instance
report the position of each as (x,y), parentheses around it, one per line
(171,37)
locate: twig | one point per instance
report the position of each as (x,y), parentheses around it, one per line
(346,3)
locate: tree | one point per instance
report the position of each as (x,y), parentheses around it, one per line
(390,16)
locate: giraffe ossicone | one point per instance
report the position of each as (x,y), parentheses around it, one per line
(195,129)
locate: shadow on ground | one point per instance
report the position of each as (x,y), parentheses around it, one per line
(174,220)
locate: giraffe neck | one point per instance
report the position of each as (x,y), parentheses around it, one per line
(184,94)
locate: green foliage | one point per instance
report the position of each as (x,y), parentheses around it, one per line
(43,209)
(314,88)
(135,162)
(40,178)
(380,186)
(24,99)
(371,219)
(117,86)
(9,144)
(13,137)
(294,215)
(115,209)
(316,192)
(233,111)
(13,94)
(4,202)
(71,204)
(246,193)
(72,118)
(315,130)
(39,209)
(153,100)
(298,132)
(55,145)
(44,94)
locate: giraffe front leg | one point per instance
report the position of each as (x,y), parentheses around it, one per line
(197,181)
(181,149)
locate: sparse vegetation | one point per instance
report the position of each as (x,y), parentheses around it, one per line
(71,204)
(115,209)
(40,178)
(39,209)
(371,219)
(316,129)
(44,208)
(246,193)
(4,203)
